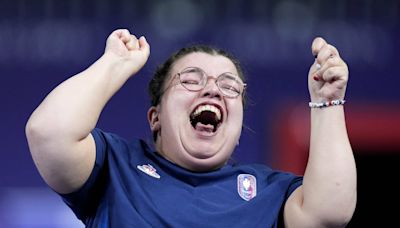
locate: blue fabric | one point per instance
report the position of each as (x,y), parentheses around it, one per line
(118,194)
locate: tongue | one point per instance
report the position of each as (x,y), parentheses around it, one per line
(203,127)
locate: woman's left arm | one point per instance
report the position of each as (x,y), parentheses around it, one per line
(328,195)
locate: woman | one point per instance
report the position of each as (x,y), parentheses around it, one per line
(196,119)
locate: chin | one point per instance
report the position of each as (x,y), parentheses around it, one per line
(203,160)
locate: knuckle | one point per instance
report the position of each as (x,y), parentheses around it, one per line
(334,61)
(330,72)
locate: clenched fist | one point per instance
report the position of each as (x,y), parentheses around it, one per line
(126,48)
(328,76)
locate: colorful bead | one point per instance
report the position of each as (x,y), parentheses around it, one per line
(326,104)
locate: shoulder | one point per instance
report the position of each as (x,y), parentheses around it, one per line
(107,137)
(111,141)
(114,150)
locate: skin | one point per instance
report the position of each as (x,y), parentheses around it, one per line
(63,149)
(178,141)
(328,195)
(58,131)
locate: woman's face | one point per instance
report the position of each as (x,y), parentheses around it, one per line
(195,143)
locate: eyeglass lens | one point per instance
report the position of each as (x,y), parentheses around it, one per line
(194,79)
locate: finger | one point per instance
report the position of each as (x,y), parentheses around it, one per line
(136,41)
(133,43)
(334,49)
(326,52)
(335,73)
(144,46)
(316,45)
(330,62)
(315,68)
(123,35)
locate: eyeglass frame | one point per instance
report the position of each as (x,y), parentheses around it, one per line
(207,77)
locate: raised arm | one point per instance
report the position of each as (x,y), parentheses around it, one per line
(328,195)
(58,131)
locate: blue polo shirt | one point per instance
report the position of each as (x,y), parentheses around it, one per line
(133,186)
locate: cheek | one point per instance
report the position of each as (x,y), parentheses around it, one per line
(175,108)
(236,111)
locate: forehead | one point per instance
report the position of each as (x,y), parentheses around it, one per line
(211,64)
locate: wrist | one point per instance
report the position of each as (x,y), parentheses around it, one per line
(326,104)
(115,66)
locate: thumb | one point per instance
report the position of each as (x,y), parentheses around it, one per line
(144,46)
(317,45)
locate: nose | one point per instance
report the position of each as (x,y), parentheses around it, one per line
(211,89)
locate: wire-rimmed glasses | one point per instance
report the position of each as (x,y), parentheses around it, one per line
(195,79)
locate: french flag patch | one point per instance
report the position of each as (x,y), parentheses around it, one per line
(246,186)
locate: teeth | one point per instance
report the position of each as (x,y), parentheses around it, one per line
(210,108)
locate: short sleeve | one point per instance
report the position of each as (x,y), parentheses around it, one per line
(295,182)
(85,200)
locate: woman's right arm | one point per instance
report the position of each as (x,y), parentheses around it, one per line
(58,131)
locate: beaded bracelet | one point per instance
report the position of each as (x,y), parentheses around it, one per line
(326,104)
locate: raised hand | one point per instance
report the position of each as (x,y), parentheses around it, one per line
(328,76)
(59,130)
(132,52)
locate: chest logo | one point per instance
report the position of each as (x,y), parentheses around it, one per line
(149,170)
(246,186)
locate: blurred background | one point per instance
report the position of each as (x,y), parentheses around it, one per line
(44,42)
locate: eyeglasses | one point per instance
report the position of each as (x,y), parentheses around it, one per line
(195,79)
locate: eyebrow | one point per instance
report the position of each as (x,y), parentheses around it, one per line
(226,72)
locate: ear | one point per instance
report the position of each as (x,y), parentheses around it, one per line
(153,118)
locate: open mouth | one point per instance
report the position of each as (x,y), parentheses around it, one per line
(206,118)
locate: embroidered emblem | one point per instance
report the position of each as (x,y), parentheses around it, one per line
(149,170)
(247,186)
